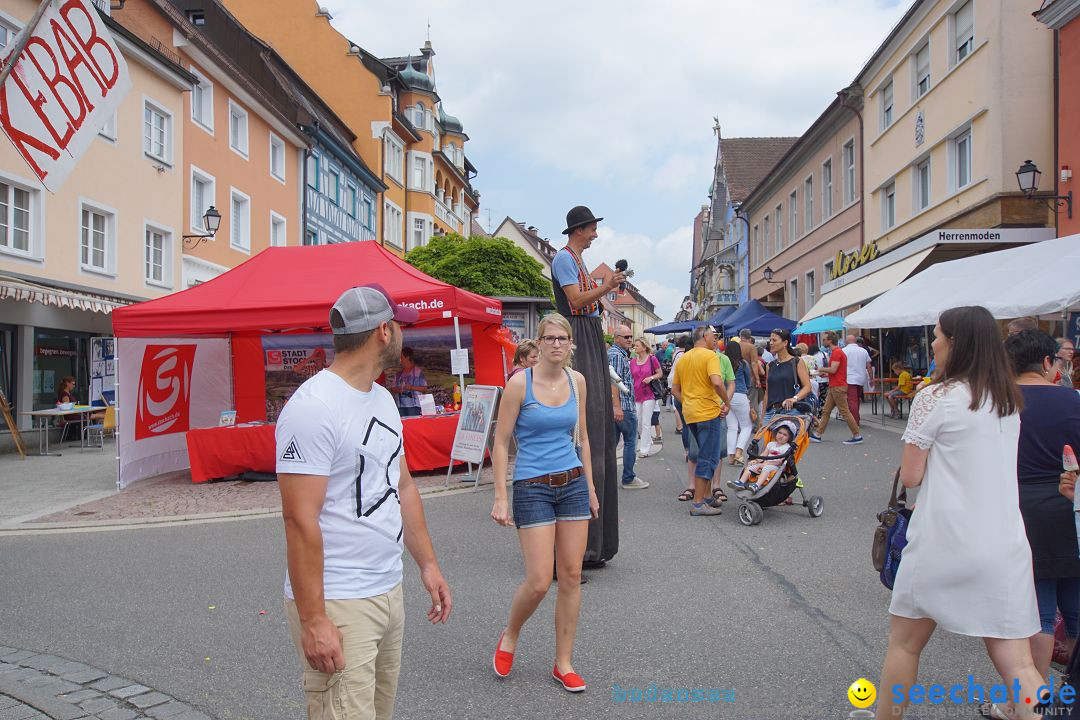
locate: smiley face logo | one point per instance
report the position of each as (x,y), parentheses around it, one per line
(862,693)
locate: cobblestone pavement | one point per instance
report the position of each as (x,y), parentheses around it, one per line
(174,496)
(36,686)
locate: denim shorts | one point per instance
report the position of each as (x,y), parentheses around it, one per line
(536,504)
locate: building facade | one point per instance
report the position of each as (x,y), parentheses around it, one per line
(109,236)
(1063,17)
(401,127)
(720,274)
(805,211)
(957,97)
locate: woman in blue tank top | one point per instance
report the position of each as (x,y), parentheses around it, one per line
(554,497)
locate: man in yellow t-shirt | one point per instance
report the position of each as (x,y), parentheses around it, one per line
(698,384)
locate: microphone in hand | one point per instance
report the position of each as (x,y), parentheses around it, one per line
(620,266)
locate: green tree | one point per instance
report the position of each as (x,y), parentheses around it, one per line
(485,265)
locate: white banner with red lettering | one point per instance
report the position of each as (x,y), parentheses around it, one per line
(65,86)
(166,387)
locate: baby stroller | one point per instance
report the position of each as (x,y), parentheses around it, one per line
(785,481)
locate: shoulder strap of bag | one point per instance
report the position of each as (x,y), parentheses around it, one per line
(577,416)
(895,499)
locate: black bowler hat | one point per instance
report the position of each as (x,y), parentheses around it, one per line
(577,217)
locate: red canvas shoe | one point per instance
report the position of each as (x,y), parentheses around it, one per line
(571,681)
(503,661)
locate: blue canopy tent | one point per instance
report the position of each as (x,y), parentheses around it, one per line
(819,325)
(675,327)
(757,318)
(717,320)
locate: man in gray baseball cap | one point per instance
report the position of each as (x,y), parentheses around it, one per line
(349,504)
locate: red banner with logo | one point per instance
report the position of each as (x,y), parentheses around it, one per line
(164,391)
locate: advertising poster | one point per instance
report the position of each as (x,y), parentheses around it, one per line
(517,323)
(430,347)
(102,369)
(474,423)
(289,360)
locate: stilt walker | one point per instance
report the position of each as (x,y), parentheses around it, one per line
(577,297)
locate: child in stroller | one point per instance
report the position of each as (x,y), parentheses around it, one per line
(776,451)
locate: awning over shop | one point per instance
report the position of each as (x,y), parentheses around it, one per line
(1035,279)
(12,289)
(867,287)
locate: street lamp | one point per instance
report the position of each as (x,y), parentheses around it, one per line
(1028,178)
(211,221)
(767,273)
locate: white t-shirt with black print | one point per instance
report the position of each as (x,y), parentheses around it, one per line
(354,438)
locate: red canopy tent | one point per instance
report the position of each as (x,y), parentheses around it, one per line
(285,290)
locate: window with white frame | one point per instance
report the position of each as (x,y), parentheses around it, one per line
(239,221)
(202,101)
(888,206)
(922,71)
(311,237)
(922,185)
(419,233)
(331,183)
(420,174)
(367,212)
(278,238)
(157,256)
(794,302)
(350,200)
(202,197)
(962,159)
(778,227)
(15,214)
(849,172)
(811,290)
(963,21)
(768,240)
(827,267)
(313,171)
(7,33)
(395,158)
(826,190)
(98,228)
(756,246)
(392,220)
(157,132)
(238,128)
(793,217)
(886,100)
(418,116)
(277,157)
(808,204)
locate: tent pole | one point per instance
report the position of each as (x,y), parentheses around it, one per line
(881,371)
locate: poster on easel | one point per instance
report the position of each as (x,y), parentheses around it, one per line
(474,423)
(102,370)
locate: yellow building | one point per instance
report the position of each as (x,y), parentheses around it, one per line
(394,109)
(109,236)
(956,98)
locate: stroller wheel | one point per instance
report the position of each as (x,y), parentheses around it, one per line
(750,513)
(816,505)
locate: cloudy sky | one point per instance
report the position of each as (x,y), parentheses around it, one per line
(611,104)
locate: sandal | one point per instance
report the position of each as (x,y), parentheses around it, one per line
(719,494)
(991,710)
(686,495)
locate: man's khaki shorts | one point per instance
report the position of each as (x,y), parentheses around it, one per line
(371,631)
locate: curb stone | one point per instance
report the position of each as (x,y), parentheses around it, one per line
(42,686)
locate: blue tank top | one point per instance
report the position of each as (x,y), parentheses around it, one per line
(545,435)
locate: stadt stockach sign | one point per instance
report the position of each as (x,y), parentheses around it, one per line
(63,88)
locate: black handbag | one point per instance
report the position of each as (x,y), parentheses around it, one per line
(657,389)
(890,537)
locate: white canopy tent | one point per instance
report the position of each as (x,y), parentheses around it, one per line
(1042,278)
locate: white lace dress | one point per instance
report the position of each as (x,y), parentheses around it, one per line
(967,564)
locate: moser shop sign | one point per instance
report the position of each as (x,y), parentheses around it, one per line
(849,267)
(846,262)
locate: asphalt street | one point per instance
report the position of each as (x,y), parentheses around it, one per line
(782,617)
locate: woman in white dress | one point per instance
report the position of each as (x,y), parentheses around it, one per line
(967,566)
